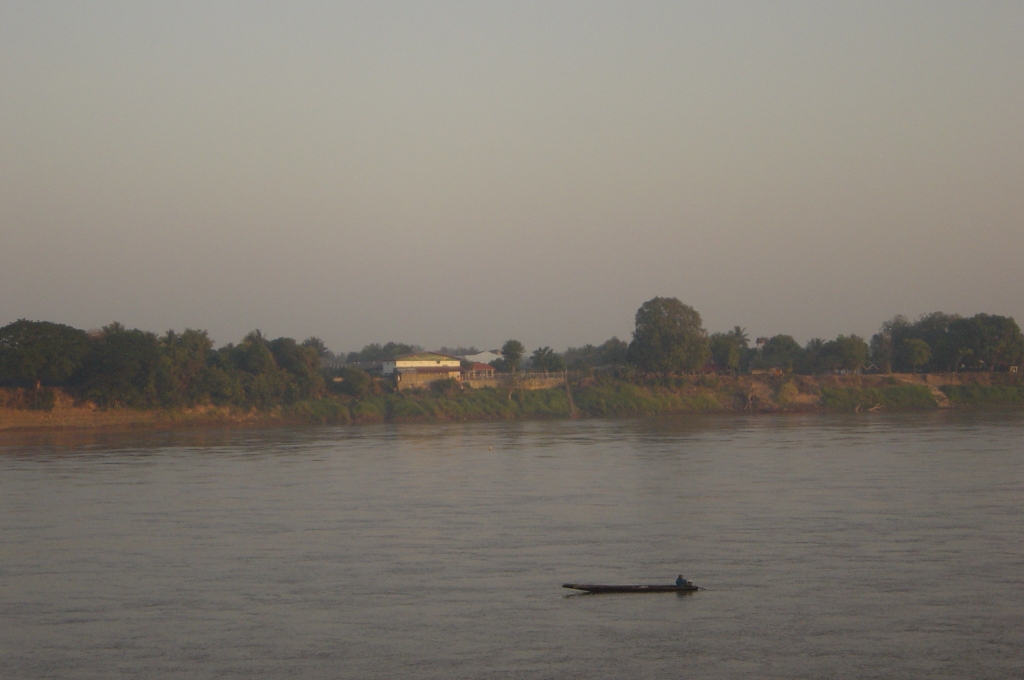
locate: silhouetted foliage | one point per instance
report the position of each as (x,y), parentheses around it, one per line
(511,356)
(122,368)
(545,359)
(354,382)
(448,387)
(917,351)
(303,364)
(377,352)
(34,353)
(781,352)
(726,351)
(846,353)
(318,346)
(981,342)
(668,337)
(182,374)
(612,352)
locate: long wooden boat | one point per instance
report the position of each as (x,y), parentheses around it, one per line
(597,588)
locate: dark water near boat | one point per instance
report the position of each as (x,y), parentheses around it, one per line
(846,547)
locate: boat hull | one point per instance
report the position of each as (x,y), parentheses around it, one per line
(596,588)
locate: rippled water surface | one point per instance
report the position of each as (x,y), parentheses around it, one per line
(850,547)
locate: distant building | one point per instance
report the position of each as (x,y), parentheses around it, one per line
(421,360)
(479,370)
(409,378)
(419,369)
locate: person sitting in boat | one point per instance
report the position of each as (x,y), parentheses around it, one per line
(681,581)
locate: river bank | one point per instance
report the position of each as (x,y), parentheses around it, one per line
(589,397)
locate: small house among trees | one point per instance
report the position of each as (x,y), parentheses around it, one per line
(420,360)
(422,368)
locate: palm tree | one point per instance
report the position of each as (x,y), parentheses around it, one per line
(739,334)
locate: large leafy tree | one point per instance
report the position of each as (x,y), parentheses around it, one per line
(814,357)
(247,373)
(917,351)
(934,329)
(122,368)
(354,382)
(303,363)
(36,352)
(318,346)
(890,352)
(512,354)
(986,341)
(668,337)
(545,359)
(782,352)
(726,351)
(182,378)
(254,355)
(885,342)
(847,352)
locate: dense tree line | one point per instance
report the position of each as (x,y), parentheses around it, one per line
(732,351)
(948,342)
(378,352)
(118,366)
(129,367)
(547,360)
(669,338)
(611,352)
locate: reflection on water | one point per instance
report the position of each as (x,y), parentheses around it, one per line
(859,546)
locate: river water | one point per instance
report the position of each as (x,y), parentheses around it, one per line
(865,546)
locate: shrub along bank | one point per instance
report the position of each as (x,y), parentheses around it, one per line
(428,406)
(892,397)
(987,395)
(593,397)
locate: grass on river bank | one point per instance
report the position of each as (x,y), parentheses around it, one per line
(600,396)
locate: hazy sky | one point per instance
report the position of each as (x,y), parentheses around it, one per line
(467,172)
